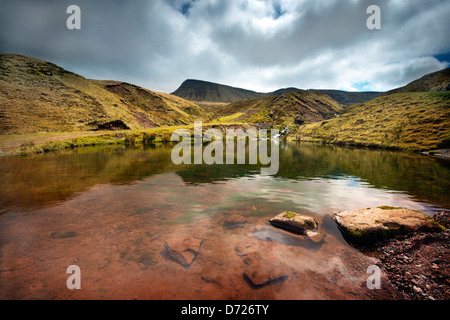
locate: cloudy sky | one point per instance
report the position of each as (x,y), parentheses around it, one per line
(262,45)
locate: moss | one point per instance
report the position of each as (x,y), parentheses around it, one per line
(367,237)
(356,233)
(389,208)
(289,215)
(437,226)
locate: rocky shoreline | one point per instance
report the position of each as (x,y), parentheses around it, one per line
(413,248)
(418,265)
(439,153)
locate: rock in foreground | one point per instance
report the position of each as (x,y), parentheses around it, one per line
(372,225)
(296,223)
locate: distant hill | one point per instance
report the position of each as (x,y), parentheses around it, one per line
(414,117)
(38,96)
(204,91)
(196,90)
(296,107)
(349,97)
(436,81)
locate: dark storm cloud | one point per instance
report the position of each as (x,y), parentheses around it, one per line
(116,39)
(257,44)
(307,34)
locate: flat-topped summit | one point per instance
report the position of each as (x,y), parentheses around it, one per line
(198,90)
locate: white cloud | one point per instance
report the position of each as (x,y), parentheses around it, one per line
(256,44)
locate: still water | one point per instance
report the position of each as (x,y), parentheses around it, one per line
(140,227)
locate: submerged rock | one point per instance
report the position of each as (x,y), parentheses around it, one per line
(69,234)
(296,223)
(234,221)
(182,253)
(372,225)
(264,233)
(257,280)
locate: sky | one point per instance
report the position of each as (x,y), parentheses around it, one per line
(261,45)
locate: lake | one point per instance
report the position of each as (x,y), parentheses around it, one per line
(140,227)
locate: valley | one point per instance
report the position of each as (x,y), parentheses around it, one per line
(44,107)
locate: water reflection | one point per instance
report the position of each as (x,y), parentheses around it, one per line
(133,222)
(31,183)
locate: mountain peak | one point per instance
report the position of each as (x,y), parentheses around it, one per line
(204,91)
(199,90)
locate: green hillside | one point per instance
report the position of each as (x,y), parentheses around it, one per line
(291,108)
(412,120)
(38,96)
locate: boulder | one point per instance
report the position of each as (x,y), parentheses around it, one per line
(296,223)
(372,225)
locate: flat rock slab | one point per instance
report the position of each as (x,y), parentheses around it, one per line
(296,223)
(371,225)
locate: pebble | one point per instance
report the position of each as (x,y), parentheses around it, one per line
(416,289)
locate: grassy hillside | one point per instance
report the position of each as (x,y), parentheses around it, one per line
(288,109)
(414,121)
(38,96)
(164,108)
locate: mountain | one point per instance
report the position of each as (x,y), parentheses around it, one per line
(201,91)
(196,90)
(349,97)
(296,107)
(436,81)
(282,91)
(404,118)
(38,96)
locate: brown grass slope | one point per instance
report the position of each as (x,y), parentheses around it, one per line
(38,96)
(409,121)
(164,108)
(287,109)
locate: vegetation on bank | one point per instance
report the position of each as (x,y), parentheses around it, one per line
(30,144)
